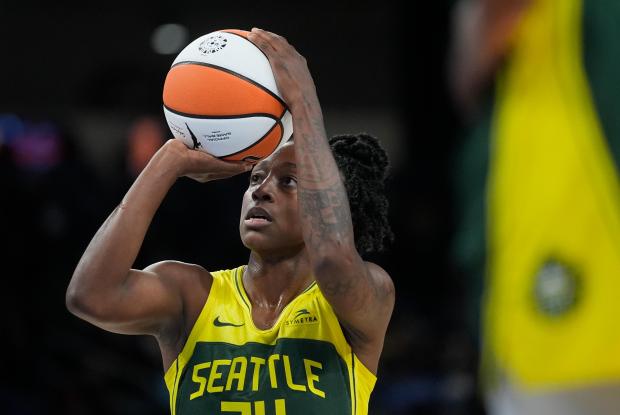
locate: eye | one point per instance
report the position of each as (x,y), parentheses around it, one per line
(256,178)
(289,181)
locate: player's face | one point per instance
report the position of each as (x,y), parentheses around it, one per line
(269,222)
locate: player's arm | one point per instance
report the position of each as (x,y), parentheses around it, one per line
(104,290)
(362,294)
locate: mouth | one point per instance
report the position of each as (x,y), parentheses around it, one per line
(257,217)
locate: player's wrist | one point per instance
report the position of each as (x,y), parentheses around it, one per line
(173,158)
(304,101)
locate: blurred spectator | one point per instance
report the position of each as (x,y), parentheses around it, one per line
(540,198)
(144,139)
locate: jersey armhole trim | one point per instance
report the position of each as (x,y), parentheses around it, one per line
(191,339)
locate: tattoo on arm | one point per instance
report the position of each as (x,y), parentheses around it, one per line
(324,207)
(322,195)
(327,214)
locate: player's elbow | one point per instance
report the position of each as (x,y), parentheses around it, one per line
(76,301)
(333,261)
(83,303)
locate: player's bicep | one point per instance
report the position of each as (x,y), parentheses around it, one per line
(148,300)
(144,302)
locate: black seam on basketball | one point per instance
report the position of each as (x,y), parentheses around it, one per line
(237,74)
(222,117)
(278,122)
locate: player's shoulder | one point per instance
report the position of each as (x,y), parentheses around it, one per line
(177,269)
(182,274)
(192,283)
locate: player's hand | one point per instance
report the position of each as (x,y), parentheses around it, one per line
(201,166)
(290,69)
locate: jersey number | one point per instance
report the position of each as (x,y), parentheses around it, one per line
(245,408)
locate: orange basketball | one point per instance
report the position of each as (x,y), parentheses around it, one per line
(220,97)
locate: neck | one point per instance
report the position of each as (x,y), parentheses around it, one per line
(271,283)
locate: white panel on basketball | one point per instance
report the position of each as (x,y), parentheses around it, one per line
(230,134)
(250,63)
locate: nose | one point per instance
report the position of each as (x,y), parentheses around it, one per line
(264,191)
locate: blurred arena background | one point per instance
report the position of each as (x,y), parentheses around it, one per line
(80,114)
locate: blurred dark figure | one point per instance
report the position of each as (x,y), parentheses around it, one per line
(540,198)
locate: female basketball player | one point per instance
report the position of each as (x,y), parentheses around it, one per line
(300,328)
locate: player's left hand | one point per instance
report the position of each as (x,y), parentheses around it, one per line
(290,69)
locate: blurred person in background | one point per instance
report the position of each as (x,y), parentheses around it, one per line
(145,137)
(540,199)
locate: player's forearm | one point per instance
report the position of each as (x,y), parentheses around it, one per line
(324,206)
(108,258)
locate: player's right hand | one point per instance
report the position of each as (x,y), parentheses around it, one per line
(201,166)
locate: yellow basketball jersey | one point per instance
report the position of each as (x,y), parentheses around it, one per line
(302,365)
(554,214)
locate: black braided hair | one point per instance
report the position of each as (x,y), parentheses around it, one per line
(363,164)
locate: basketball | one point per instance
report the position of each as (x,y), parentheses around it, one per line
(220,97)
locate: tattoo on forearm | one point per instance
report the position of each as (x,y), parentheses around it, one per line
(324,204)
(317,169)
(322,195)
(327,213)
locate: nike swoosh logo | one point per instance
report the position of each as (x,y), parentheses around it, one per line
(218,323)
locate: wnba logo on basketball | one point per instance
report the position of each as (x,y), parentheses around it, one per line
(212,44)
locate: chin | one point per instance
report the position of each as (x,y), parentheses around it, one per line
(254,241)
(264,246)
